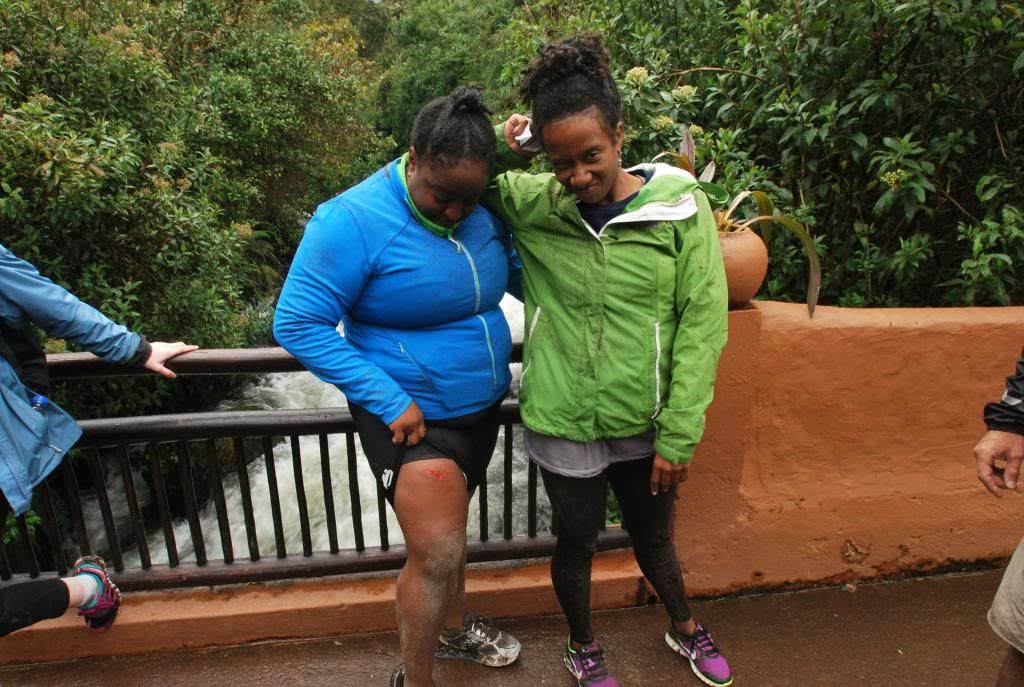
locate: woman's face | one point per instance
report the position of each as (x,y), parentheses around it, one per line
(445,191)
(584,154)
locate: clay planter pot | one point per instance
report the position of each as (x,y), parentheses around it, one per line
(746,263)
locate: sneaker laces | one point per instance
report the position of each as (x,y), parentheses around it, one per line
(702,638)
(482,627)
(592,657)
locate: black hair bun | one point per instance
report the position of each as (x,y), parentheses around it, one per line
(467,100)
(583,54)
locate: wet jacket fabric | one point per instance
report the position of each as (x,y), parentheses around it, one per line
(419,310)
(624,326)
(33,441)
(1007,414)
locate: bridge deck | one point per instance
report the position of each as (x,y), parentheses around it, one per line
(921,632)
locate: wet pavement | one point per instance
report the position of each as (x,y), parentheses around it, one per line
(929,632)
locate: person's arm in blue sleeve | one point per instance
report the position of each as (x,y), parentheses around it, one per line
(62,316)
(330,269)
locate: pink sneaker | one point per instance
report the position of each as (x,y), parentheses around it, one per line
(100,616)
(700,650)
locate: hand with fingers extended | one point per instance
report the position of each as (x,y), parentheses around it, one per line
(162,352)
(409,429)
(999,448)
(665,473)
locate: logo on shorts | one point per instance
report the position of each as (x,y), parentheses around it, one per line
(386,478)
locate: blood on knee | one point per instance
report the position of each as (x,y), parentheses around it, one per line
(436,474)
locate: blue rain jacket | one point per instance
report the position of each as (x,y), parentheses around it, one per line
(33,441)
(419,311)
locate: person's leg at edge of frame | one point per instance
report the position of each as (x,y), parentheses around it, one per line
(649,519)
(579,506)
(431,503)
(88,589)
(1011,674)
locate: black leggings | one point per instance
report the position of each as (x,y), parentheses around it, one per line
(26,603)
(579,506)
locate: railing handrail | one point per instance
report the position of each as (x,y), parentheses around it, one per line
(229,424)
(63,366)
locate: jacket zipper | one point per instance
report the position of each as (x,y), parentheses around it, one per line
(490,349)
(529,338)
(461,248)
(415,364)
(657,369)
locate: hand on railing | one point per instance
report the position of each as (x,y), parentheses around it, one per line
(162,352)
(409,429)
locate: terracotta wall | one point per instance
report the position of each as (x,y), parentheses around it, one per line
(841,447)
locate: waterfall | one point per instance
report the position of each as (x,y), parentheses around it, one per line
(303,390)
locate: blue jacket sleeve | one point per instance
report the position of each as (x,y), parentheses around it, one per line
(330,269)
(60,314)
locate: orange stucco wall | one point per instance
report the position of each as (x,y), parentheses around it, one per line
(837,448)
(841,447)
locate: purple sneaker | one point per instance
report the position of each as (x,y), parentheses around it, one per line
(100,616)
(588,667)
(700,650)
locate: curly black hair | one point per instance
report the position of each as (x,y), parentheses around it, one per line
(569,77)
(455,127)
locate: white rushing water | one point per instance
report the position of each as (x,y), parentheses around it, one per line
(298,391)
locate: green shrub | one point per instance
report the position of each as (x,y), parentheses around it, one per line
(159,159)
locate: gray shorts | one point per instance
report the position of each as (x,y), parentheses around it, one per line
(1007,613)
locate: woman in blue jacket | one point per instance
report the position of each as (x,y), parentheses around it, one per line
(414,270)
(35,434)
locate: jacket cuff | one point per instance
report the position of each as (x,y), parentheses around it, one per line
(1004,417)
(673,454)
(506,158)
(1005,426)
(141,354)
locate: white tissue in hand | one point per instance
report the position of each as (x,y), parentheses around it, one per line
(526,141)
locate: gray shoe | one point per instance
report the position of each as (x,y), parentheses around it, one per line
(479,641)
(398,677)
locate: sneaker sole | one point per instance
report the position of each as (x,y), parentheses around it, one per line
(451,653)
(678,648)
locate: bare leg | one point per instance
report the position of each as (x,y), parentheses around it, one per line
(456,616)
(1012,672)
(431,503)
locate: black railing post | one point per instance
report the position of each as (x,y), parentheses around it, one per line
(160,492)
(138,524)
(275,497)
(300,498)
(104,502)
(188,486)
(242,471)
(213,463)
(325,478)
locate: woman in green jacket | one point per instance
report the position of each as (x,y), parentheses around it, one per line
(626,316)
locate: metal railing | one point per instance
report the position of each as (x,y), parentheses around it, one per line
(173,449)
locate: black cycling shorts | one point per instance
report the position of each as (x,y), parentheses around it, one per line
(468,440)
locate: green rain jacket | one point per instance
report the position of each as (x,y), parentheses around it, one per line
(624,326)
